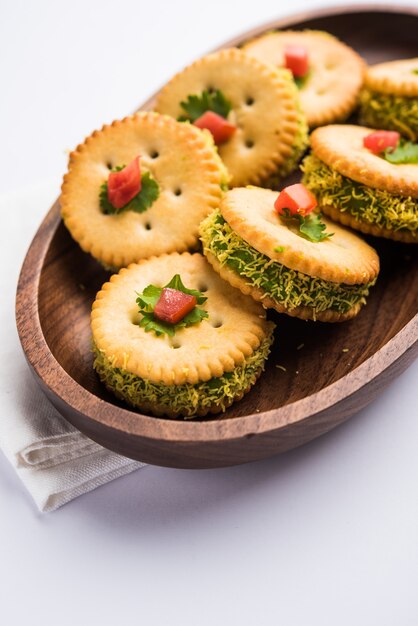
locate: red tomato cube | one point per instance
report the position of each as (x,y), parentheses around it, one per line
(297,199)
(296,60)
(173,305)
(220,128)
(379,140)
(123,186)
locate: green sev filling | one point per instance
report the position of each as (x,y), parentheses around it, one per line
(286,286)
(389,112)
(298,150)
(225,177)
(186,399)
(375,206)
(299,147)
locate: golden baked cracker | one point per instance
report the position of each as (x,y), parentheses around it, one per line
(302,312)
(331,90)
(342,258)
(397,78)
(264,109)
(341,147)
(233,331)
(347,219)
(182,160)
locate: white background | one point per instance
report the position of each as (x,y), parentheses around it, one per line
(325,535)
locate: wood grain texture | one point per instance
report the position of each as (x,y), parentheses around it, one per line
(337,371)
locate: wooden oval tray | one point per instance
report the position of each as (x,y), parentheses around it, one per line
(326,372)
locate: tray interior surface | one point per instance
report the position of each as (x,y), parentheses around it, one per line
(314,355)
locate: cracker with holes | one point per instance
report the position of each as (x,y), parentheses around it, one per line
(251,109)
(171,338)
(328,73)
(389,99)
(365,179)
(279,251)
(140,187)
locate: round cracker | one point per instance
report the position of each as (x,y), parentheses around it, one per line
(396,78)
(341,147)
(265,109)
(342,258)
(234,329)
(182,160)
(331,91)
(302,312)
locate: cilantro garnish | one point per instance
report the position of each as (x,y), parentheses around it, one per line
(406,152)
(195,105)
(142,201)
(279,249)
(415,71)
(149,298)
(301,81)
(310,226)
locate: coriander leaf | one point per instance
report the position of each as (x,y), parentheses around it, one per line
(312,228)
(301,81)
(146,197)
(219,104)
(195,316)
(406,152)
(279,249)
(415,71)
(195,106)
(140,203)
(148,299)
(149,322)
(105,205)
(176,283)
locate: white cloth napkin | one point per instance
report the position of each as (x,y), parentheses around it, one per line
(55,462)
